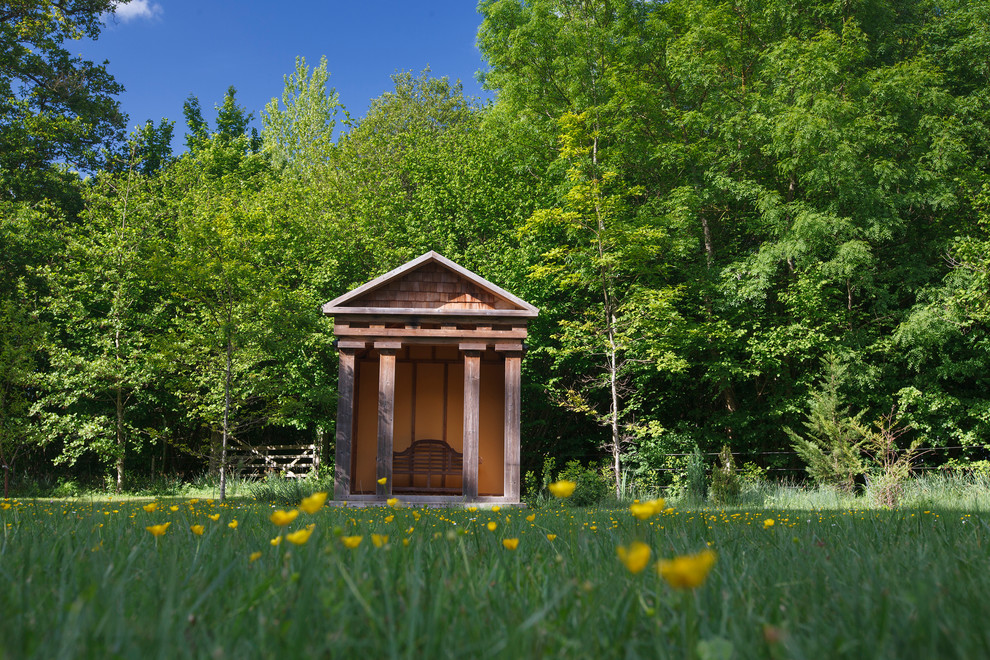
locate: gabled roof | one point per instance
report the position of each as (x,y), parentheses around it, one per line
(430,285)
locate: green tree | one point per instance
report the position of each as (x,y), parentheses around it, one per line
(58,112)
(105,306)
(300,133)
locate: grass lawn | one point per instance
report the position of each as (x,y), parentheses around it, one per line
(88,579)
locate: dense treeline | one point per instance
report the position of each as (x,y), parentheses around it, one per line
(723,210)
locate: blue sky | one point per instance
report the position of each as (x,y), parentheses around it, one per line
(164,50)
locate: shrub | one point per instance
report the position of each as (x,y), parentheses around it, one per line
(591,487)
(725,487)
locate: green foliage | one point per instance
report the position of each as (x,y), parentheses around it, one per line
(56,109)
(696,475)
(591,488)
(299,133)
(725,485)
(831,447)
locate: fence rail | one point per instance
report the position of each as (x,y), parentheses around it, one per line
(292,461)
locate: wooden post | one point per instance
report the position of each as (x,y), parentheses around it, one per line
(345,424)
(513,418)
(386,409)
(472,406)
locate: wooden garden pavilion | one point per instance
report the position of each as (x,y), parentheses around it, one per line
(429,386)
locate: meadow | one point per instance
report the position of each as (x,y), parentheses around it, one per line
(191,577)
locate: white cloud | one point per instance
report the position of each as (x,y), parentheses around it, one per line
(136,9)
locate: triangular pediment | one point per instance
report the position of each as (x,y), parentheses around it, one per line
(430,284)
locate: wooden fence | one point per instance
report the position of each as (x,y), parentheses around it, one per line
(291,461)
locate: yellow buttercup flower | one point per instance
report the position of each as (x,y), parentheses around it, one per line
(4,506)
(299,537)
(551,537)
(562,488)
(641,511)
(646,510)
(392,502)
(531,517)
(314,502)
(254,557)
(232,524)
(635,557)
(351,541)
(150,508)
(768,523)
(213,516)
(197,530)
(688,571)
(383,481)
(174,507)
(492,525)
(510,544)
(193,501)
(283,518)
(158,530)
(276,540)
(389,519)
(496,508)
(379,539)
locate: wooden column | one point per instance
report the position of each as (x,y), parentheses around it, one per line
(345,421)
(386,409)
(513,417)
(472,406)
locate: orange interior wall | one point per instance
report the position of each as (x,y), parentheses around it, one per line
(491,429)
(423,410)
(365,439)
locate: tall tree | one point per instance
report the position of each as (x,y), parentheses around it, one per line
(300,133)
(57,111)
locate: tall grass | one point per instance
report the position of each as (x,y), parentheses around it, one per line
(88,580)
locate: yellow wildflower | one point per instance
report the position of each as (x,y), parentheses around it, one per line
(232,524)
(299,537)
(150,508)
(158,530)
(193,501)
(551,537)
(283,518)
(405,542)
(688,571)
(314,502)
(351,541)
(197,530)
(496,508)
(213,516)
(531,517)
(389,519)
(4,506)
(646,510)
(174,507)
(392,502)
(276,540)
(379,539)
(255,556)
(510,544)
(562,488)
(492,525)
(768,523)
(383,481)
(635,557)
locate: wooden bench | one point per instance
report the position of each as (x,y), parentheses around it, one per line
(434,459)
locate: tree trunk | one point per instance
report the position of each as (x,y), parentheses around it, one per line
(226,420)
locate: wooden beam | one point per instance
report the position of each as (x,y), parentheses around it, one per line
(453,333)
(345,425)
(472,405)
(386,410)
(513,417)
